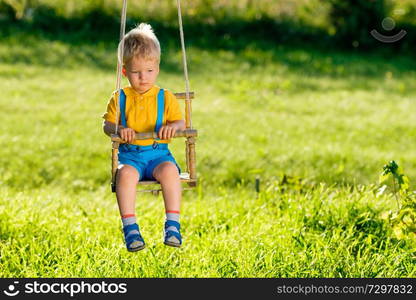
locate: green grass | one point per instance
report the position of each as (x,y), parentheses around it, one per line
(324,232)
(331,119)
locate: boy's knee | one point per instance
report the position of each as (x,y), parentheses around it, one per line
(165,170)
(126,172)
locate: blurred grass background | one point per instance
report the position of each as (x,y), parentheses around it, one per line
(317,21)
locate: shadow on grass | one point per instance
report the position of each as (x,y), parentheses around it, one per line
(91,39)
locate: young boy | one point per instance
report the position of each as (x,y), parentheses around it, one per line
(147,108)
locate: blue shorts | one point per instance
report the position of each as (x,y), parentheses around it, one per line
(145,158)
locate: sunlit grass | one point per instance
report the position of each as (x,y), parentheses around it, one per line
(324,232)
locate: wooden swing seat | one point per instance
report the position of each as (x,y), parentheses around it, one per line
(183,176)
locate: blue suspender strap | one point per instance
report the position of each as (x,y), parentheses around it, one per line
(122,99)
(160,110)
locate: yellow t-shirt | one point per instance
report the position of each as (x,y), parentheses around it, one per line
(141,110)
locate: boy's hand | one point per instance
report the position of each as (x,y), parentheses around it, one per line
(127,134)
(167,131)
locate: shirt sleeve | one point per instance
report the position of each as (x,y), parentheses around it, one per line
(110,114)
(173,111)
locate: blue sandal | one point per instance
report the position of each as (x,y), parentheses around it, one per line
(133,238)
(172,234)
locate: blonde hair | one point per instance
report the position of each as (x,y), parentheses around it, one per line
(140,41)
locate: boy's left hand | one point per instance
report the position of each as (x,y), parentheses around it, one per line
(166,132)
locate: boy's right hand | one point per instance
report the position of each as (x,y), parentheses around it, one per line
(127,134)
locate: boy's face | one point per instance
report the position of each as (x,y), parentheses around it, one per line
(142,73)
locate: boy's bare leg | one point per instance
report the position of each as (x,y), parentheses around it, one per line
(167,174)
(127,178)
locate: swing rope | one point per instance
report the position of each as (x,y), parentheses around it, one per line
(120,56)
(185,67)
(120,62)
